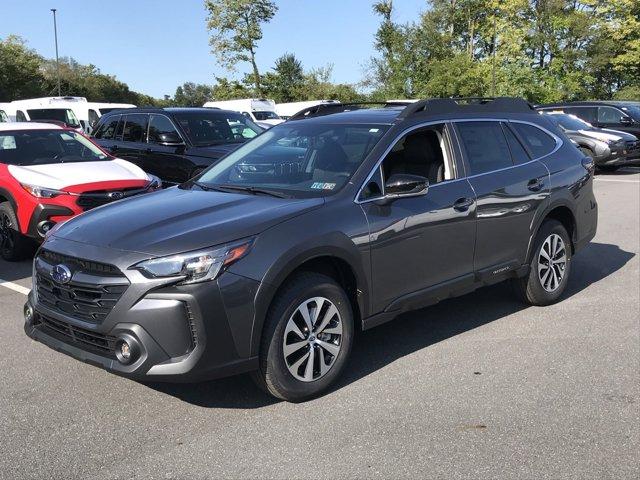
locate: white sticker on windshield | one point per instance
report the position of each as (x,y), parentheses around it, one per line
(323,186)
(374,130)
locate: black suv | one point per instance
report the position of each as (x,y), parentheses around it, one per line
(271,259)
(173,144)
(613,114)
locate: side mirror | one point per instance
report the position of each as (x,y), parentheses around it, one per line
(170,139)
(626,120)
(405,185)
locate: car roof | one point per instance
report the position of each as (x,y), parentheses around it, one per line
(618,103)
(385,116)
(5,126)
(168,110)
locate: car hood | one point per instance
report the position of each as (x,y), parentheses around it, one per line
(69,176)
(602,135)
(214,151)
(177,220)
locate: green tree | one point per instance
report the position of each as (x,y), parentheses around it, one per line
(192,95)
(20,75)
(236,29)
(286,80)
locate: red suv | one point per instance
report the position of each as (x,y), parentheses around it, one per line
(48,174)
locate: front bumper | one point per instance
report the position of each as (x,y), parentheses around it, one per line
(181,333)
(619,157)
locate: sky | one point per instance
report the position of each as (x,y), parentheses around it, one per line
(156,45)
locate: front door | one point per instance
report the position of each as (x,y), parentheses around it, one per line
(420,242)
(163,159)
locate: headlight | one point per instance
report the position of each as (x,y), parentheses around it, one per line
(155,182)
(41,192)
(197,266)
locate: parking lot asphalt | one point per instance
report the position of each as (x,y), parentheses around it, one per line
(475,387)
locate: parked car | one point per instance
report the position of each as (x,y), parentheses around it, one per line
(48,174)
(288,110)
(259,110)
(271,259)
(63,109)
(617,115)
(609,149)
(174,144)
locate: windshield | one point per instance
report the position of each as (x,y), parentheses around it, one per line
(266,116)
(569,122)
(65,115)
(216,128)
(300,159)
(39,147)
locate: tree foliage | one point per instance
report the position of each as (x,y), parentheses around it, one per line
(236,29)
(544,50)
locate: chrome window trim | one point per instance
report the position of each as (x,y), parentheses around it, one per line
(558,140)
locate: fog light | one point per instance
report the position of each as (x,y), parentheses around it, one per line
(44,226)
(28,313)
(127,349)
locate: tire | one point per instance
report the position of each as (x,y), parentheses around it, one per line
(276,370)
(541,286)
(607,168)
(13,245)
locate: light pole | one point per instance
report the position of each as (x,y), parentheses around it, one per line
(55,32)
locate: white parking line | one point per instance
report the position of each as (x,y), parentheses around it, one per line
(14,286)
(616,180)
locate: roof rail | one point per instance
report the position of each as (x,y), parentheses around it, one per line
(337,107)
(468,104)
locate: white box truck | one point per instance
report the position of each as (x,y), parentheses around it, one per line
(260,110)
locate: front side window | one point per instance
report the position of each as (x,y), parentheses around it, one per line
(216,128)
(20,116)
(40,147)
(485,145)
(424,152)
(135,127)
(107,129)
(300,160)
(160,125)
(610,115)
(93,117)
(538,141)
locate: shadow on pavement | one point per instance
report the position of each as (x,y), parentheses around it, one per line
(12,271)
(410,332)
(631,170)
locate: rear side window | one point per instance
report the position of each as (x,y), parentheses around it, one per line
(518,153)
(539,142)
(20,116)
(485,145)
(107,129)
(135,127)
(158,125)
(588,114)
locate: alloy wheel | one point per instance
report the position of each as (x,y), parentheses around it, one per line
(312,339)
(552,262)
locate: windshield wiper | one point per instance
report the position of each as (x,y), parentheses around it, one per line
(250,189)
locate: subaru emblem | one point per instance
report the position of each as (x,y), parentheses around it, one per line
(61,274)
(115,195)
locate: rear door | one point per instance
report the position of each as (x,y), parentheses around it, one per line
(166,160)
(130,143)
(510,188)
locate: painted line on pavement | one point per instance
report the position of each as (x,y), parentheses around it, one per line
(615,180)
(14,286)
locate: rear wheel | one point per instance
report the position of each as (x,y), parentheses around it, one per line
(549,268)
(13,245)
(307,338)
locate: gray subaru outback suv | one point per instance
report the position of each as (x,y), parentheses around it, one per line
(337,220)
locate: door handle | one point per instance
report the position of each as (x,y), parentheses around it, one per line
(463,204)
(113,148)
(535,185)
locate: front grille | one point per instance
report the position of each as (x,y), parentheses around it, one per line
(632,145)
(86,266)
(93,291)
(102,344)
(97,198)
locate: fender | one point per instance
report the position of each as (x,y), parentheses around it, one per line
(6,194)
(557,200)
(334,245)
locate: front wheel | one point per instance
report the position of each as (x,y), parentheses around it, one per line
(549,268)
(307,338)
(13,245)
